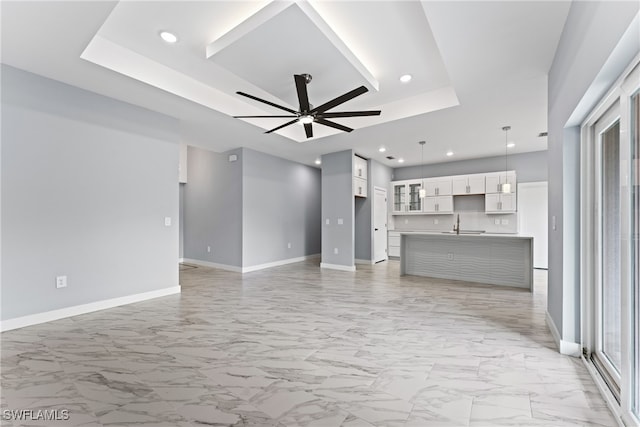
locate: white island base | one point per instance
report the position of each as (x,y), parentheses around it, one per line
(497,259)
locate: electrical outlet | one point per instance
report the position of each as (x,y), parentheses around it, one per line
(327,221)
(61,282)
(335,251)
(450,256)
(435,221)
(289,245)
(340,221)
(406,221)
(167,221)
(505,222)
(209,249)
(496,222)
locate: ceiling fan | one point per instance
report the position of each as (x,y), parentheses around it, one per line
(307,114)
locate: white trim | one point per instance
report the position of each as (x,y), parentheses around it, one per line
(338,267)
(278,263)
(363,261)
(606,394)
(180,260)
(48,316)
(567,348)
(213,265)
(250,268)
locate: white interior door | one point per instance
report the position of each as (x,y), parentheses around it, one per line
(380,225)
(532,211)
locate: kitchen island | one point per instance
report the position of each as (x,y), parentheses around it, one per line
(497,259)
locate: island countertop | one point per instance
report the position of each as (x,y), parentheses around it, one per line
(491,258)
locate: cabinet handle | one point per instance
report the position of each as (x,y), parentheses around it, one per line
(499,188)
(437,207)
(468,189)
(499,206)
(360,190)
(437,191)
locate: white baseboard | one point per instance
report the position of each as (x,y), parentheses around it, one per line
(48,316)
(567,348)
(233,268)
(180,260)
(364,261)
(251,267)
(337,267)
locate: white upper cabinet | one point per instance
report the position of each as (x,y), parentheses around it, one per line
(438,186)
(359,176)
(469,184)
(438,205)
(359,167)
(495,181)
(497,203)
(406,196)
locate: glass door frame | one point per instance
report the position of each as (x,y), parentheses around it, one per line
(590,269)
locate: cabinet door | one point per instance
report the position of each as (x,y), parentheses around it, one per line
(430,204)
(443,187)
(491,202)
(399,197)
(511,179)
(492,183)
(359,167)
(476,184)
(444,204)
(359,187)
(508,202)
(430,185)
(461,185)
(415,202)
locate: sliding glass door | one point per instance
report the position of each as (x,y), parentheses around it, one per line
(610,245)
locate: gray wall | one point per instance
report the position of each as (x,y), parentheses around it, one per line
(86,184)
(213,207)
(529,167)
(281,205)
(338,202)
(590,44)
(181,222)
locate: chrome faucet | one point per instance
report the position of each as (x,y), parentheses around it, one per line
(456,226)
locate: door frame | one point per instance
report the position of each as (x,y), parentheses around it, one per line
(373,223)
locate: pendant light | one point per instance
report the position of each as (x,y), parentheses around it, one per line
(506,187)
(423,191)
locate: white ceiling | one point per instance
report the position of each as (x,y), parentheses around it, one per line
(477,66)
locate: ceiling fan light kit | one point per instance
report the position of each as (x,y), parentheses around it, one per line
(306,114)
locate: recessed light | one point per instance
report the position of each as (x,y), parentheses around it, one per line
(382,149)
(318,161)
(405,78)
(511,145)
(449,153)
(400,160)
(168,37)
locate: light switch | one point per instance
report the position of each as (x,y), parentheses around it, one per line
(496,221)
(335,251)
(553,223)
(340,221)
(327,221)
(435,221)
(289,245)
(167,221)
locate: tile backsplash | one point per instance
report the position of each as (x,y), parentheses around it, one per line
(507,223)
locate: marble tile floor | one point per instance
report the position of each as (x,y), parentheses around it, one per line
(297,346)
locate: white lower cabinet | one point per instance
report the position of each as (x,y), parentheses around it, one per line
(394,243)
(500,203)
(438,205)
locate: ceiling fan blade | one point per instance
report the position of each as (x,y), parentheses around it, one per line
(351,114)
(332,124)
(339,100)
(268,102)
(301,87)
(281,126)
(261,117)
(308,130)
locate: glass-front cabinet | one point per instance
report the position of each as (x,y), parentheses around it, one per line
(406,197)
(399,197)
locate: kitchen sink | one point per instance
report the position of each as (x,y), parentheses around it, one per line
(464,232)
